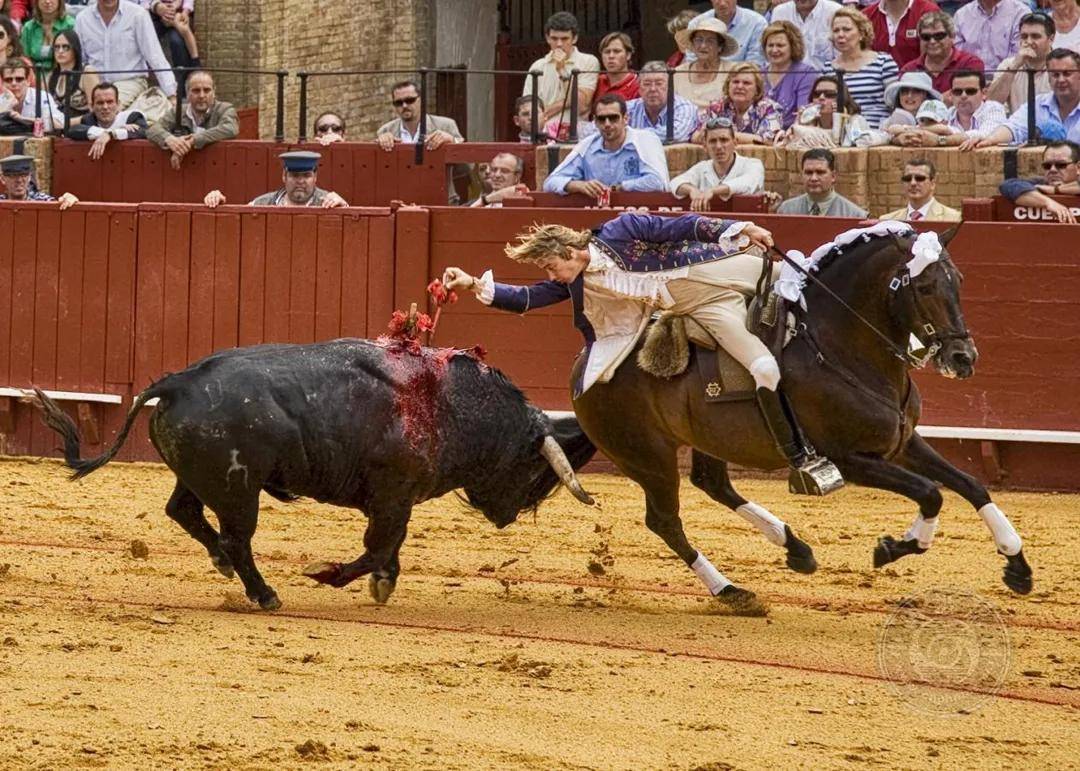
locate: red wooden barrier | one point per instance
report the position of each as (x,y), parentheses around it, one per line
(621,199)
(1001,209)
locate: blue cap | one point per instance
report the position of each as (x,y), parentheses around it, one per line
(300,160)
(17,164)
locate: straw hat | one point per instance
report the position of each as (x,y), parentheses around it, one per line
(729,46)
(915,79)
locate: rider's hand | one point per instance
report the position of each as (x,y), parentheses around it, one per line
(759,237)
(455,278)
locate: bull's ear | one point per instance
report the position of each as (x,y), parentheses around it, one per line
(947,236)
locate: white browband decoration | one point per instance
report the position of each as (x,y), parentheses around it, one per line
(925,251)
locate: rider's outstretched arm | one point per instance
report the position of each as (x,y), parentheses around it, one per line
(634,226)
(507,297)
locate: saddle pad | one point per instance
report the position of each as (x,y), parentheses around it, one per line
(725,379)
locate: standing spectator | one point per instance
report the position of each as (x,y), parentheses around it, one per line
(615,158)
(756,117)
(50,18)
(920,184)
(299,186)
(1010,85)
(15,172)
(553,85)
(172,24)
(119,37)
(328,128)
(70,84)
(819,182)
(523,119)
(1059,178)
(895,25)
(972,115)
(107,121)
(813,18)
(1066,15)
(675,25)
(615,51)
(650,110)
(504,180)
(990,29)
(940,58)
(867,73)
(788,77)
(405,98)
(823,123)
(1057,112)
(701,80)
(204,121)
(742,24)
(725,173)
(27,103)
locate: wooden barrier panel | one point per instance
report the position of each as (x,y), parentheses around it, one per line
(621,199)
(1001,209)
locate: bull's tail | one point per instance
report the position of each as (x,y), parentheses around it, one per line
(60,422)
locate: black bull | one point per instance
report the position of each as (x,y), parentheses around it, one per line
(348,422)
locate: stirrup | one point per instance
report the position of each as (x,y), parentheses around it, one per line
(815,476)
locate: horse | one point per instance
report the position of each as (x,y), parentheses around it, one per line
(851,392)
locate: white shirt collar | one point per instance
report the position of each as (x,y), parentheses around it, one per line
(923,210)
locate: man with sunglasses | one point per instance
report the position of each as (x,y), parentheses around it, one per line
(205,120)
(971,117)
(990,29)
(920,184)
(1010,85)
(15,179)
(1058,111)
(328,128)
(23,109)
(940,57)
(1060,172)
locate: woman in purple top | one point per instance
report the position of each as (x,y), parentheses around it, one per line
(788,78)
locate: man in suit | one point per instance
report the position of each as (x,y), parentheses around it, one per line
(820,198)
(107,121)
(203,121)
(920,183)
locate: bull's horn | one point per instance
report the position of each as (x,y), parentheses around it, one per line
(554,455)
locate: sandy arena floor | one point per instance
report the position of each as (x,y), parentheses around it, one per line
(504,649)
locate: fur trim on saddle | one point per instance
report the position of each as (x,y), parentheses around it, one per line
(666,352)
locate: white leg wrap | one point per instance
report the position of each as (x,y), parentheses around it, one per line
(766,372)
(1005,535)
(763,520)
(713,579)
(922,531)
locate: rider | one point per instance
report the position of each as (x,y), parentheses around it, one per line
(617,275)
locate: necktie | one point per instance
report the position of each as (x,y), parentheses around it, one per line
(915,216)
(815,210)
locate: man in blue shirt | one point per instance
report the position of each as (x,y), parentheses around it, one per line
(650,110)
(1057,112)
(617,157)
(743,24)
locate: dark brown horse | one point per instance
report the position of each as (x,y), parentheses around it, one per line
(853,397)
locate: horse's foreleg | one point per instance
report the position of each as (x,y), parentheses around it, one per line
(711,476)
(919,456)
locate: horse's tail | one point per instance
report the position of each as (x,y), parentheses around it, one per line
(60,422)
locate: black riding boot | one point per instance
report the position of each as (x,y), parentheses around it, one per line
(810,475)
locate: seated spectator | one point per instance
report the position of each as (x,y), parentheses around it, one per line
(50,18)
(650,110)
(328,128)
(616,49)
(894,25)
(299,177)
(940,58)
(701,80)
(172,25)
(1066,16)
(119,37)
(819,181)
(26,104)
(616,158)
(70,84)
(523,120)
(11,47)
(725,173)
(15,172)
(813,19)
(107,121)
(742,24)
(990,29)
(1010,85)
(756,117)
(1059,178)
(972,115)
(205,120)
(822,124)
(1058,111)
(867,73)
(561,34)
(504,181)
(675,25)
(920,183)
(905,97)
(788,78)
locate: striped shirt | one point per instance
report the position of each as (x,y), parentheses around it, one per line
(867,86)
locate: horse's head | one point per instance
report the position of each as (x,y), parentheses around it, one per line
(925,298)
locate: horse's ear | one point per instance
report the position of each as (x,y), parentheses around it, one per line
(947,236)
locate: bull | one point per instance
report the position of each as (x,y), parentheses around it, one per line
(377,426)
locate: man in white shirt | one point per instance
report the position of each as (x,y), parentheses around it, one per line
(118,39)
(724,174)
(24,107)
(553,85)
(814,20)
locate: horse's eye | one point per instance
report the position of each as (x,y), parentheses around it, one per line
(925,289)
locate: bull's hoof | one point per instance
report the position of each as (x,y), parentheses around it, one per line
(380,588)
(324,572)
(741,602)
(889,549)
(223,565)
(800,557)
(1017,574)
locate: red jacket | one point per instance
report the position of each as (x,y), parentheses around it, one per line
(907,35)
(960,60)
(20,10)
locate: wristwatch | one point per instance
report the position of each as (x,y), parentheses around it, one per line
(1057,189)
(941,141)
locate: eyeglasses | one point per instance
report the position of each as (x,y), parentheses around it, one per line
(926,37)
(1059,165)
(608,118)
(61,47)
(914,178)
(965,91)
(828,94)
(327,128)
(716,123)
(14,79)
(405,101)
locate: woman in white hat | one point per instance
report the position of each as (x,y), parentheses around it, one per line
(904,98)
(702,80)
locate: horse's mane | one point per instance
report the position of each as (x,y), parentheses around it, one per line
(838,253)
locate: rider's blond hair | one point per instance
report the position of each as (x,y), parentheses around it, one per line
(542,242)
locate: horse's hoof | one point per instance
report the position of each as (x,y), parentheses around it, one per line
(270,601)
(223,565)
(741,602)
(889,549)
(323,572)
(1017,575)
(800,557)
(380,588)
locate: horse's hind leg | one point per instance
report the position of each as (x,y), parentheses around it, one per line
(185,508)
(711,476)
(920,457)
